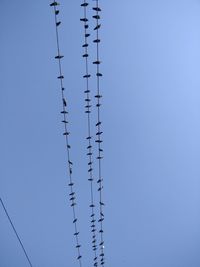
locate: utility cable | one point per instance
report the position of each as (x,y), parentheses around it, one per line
(15,231)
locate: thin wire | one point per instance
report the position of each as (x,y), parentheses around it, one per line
(66,134)
(17,235)
(99,132)
(89,137)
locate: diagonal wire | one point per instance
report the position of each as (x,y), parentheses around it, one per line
(66,134)
(17,235)
(89,137)
(99,132)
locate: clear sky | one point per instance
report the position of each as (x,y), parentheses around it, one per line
(151,122)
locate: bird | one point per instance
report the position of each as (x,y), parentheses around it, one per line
(97,27)
(64,102)
(59,57)
(58,23)
(96,9)
(96,41)
(87,76)
(76,233)
(96,17)
(85,45)
(84,19)
(98,96)
(98,123)
(71,184)
(98,141)
(84,4)
(79,257)
(60,77)
(57,12)
(54,4)
(97,62)
(99,74)
(75,220)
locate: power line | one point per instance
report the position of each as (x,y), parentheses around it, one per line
(66,133)
(99,132)
(15,231)
(89,137)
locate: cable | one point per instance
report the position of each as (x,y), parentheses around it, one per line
(89,137)
(99,141)
(17,235)
(66,133)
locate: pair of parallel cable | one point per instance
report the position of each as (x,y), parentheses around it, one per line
(98,140)
(66,133)
(99,132)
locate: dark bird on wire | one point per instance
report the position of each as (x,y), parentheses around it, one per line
(54,4)
(59,57)
(84,4)
(64,102)
(96,8)
(97,27)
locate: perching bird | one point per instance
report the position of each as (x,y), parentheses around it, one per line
(97,27)
(84,19)
(64,102)
(96,9)
(84,4)
(97,62)
(54,4)
(59,57)
(96,17)
(96,41)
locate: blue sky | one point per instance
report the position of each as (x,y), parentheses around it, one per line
(151,116)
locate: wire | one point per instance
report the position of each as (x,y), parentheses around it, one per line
(66,134)
(99,141)
(89,137)
(17,235)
